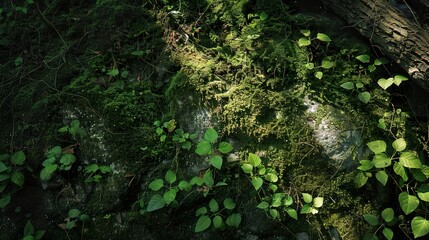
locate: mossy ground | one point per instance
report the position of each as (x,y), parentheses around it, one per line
(237,61)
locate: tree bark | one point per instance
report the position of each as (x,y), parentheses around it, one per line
(402,40)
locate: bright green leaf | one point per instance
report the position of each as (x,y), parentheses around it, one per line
(274,213)
(216,161)
(203,148)
(363,58)
(170,176)
(224,147)
(217,221)
(327,64)
(210,135)
(247,168)
(381,160)
(208,178)
(318,202)
(292,213)
(263,16)
(382,177)
(203,223)
(254,160)
(318,75)
(213,205)
(371,219)
(364,97)
(307,197)
(410,160)
(201,211)
(400,170)
(54,152)
(303,42)
(113,72)
(271,177)
(233,220)
(155,203)
(228,203)
(419,226)
(423,192)
(169,196)
(305,32)
(257,183)
(399,144)
(185,186)
(323,37)
(67,159)
(377,146)
(372,68)
(408,203)
(309,66)
(360,179)
(365,165)
(348,85)
(385,83)
(288,200)
(388,233)
(156,184)
(398,79)
(388,214)
(263,205)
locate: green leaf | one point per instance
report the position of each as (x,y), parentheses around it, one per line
(63,129)
(309,66)
(360,179)
(263,16)
(70,225)
(288,200)
(359,85)
(263,205)
(51,168)
(4,201)
(398,79)
(208,178)
(318,75)
(224,147)
(228,203)
(371,219)
(91,168)
(306,209)
(155,203)
(305,32)
(84,217)
(39,234)
(277,199)
(365,165)
(399,144)
(45,174)
(156,184)
(113,72)
(67,159)
(323,37)
(423,192)
(348,85)
(271,177)
(4,156)
(201,211)
(364,97)
(381,160)
(210,135)
(382,177)
(185,186)
(410,160)
(318,202)
(363,58)
(203,223)
(257,183)
(28,229)
(73,213)
(274,213)
(138,53)
(105,169)
(216,161)
(303,42)
(388,214)
(233,220)
(247,168)
(372,68)
(3,167)
(327,64)
(203,148)
(17,178)
(292,213)
(408,203)
(307,197)
(388,233)
(254,159)
(217,221)
(170,176)
(54,152)
(18,158)
(385,83)
(419,226)
(169,196)
(213,205)
(197,181)
(418,175)
(400,170)
(377,146)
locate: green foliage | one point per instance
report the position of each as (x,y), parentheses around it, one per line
(31,233)
(74,129)
(95,172)
(56,159)
(216,215)
(12,176)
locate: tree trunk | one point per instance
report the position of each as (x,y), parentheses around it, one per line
(401,39)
